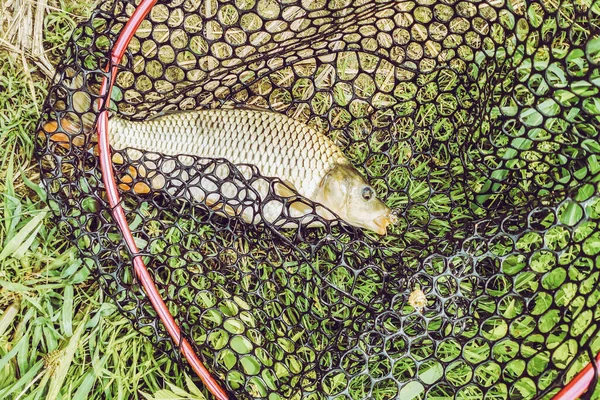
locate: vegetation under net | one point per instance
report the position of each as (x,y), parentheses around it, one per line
(477,122)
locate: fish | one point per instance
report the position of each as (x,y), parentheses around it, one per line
(307,163)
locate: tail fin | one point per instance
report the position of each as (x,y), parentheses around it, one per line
(76,127)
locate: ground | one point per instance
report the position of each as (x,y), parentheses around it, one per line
(59,338)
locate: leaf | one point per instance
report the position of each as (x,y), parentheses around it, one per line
(8,316)
(33,186)
(162,394)
(176,393)
(411,390)
(20,239)
(25,379)
(177,390)
(147,396)
(9,193)
(20,252)
(193,388)
(84,388)
(104,310)
(571,213)
(15,287)
(60,373)
(13,352)
(67,311)
(24,354)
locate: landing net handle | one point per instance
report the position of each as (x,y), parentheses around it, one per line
(573,390)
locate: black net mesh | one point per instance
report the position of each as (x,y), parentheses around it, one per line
(477,121)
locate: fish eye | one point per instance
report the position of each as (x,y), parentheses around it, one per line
(367,193)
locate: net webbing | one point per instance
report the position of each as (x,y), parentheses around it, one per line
(477,121)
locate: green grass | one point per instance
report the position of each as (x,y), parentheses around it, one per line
(60,337)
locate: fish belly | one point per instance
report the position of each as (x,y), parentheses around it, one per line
(279,146)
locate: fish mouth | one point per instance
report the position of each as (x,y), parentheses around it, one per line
(381,223)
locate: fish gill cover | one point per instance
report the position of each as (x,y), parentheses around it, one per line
(477,121)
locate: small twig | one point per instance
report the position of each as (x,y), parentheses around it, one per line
(47,70)
(30,81)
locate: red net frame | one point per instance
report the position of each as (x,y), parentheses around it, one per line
(577,386)
(573,390)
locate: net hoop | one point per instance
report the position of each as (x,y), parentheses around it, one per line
(573,390)
(490,249)
(118,213)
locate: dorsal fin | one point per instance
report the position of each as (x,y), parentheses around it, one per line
(251,107)
(248,107)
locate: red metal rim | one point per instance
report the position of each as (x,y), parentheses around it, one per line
(118,213)
(571,391)
(580,384)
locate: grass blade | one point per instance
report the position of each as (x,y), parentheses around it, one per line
(9,192)
(13,352)
(31,228)
(67,311)
(84,388)
(8,316)
(60,373)
(33,186)
(28,379)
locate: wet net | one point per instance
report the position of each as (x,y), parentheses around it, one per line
(477,121)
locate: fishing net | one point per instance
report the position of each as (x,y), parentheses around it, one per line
(477,121)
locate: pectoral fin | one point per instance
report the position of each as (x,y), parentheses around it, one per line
(221,208)
(297,206)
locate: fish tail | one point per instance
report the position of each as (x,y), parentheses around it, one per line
(76,127)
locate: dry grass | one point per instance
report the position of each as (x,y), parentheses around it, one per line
(21,32)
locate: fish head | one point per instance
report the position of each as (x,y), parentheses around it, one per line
(345,192)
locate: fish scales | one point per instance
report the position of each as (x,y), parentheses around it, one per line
(278,145)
